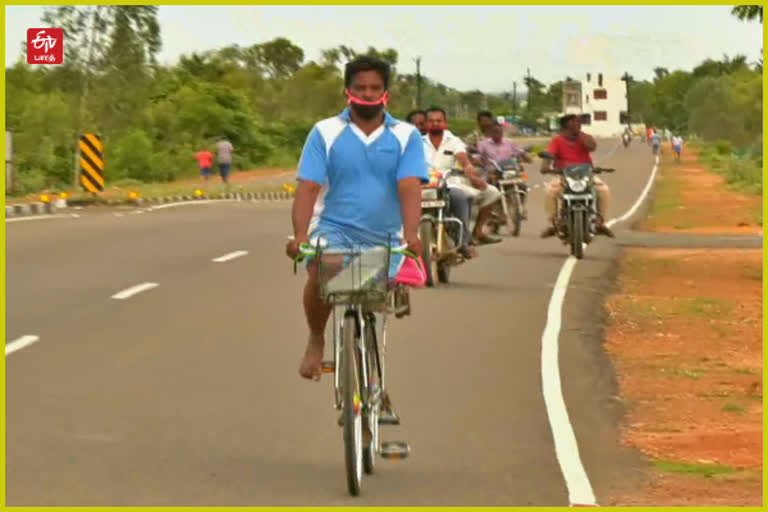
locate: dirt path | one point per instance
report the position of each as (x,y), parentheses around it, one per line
(685,335)
(691,199)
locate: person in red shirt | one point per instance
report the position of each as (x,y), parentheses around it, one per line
(570,147)
(205,161)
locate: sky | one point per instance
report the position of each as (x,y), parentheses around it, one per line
(464,47)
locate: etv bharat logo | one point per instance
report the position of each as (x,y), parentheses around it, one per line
(45,46)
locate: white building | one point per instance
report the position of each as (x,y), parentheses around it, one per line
(601,101)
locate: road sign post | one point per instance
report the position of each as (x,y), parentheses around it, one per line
(91,163)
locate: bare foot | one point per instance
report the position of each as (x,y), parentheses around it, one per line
(312,364)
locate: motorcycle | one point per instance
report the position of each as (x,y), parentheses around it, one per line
(626,139)
(577,212)
(440,232)
(510,178)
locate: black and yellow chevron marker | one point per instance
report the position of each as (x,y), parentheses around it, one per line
(91,163)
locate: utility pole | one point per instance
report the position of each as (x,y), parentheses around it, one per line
(628,79)
(418,82)
(529,95)
(514,98)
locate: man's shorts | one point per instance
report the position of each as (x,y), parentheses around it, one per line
(224,170)
(677,149)
(205,171)
(333,237)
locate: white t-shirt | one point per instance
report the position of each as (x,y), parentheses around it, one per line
(443,159)
(677,141)
(225,152)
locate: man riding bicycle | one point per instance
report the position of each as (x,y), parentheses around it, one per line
(369,168)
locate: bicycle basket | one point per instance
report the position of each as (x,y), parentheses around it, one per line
(354,275)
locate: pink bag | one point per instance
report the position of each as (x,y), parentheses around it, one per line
(412,273)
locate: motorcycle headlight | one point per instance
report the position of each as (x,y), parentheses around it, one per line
(508,175)
(429,194)
(578,184)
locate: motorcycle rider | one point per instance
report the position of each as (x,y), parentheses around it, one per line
(626,137)
(485,122)
(444,151)
(418,118)
(570,147)
(499,148)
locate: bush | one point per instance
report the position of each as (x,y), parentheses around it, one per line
(131,157)
(745,175)
(29,181)
(723,147)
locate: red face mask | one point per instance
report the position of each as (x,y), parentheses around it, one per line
(366,109)
(354,100)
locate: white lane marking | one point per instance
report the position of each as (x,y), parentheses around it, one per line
(230,256)
(639,199)
(39,217)
(187,203)
(566,447)
(116,214)
(20,343)
(133,290)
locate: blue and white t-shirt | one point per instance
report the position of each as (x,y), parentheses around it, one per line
(360,173)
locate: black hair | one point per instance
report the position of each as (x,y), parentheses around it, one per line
(566,119)
(413,114)
(437,109)
(366,63)
(484,113)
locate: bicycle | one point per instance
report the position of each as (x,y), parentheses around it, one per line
(356,283)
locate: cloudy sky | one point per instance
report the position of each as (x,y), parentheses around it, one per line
(465,47)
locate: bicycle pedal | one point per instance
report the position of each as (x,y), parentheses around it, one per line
(329,367)
(394,450)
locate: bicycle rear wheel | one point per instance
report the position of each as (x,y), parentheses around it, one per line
(352,404)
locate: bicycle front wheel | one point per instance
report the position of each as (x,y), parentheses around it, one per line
(353,420)
(373,405)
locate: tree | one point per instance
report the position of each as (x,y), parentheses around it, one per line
(280,58)
(111,43)
(748,12)
(660,72)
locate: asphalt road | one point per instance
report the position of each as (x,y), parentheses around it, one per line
(188,393)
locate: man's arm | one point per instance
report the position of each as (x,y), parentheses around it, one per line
(412,172)
(409,191)
(470,171)
(588,142)
(521,153)
(311,174)
(303,206)
(547,164)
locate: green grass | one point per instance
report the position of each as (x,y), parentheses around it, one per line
(741,174)
(678,372)
(660,308)
(704,470)
(666,200)
(744,371)
(715,394)
(704,306)
(733,408)
(640,268)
